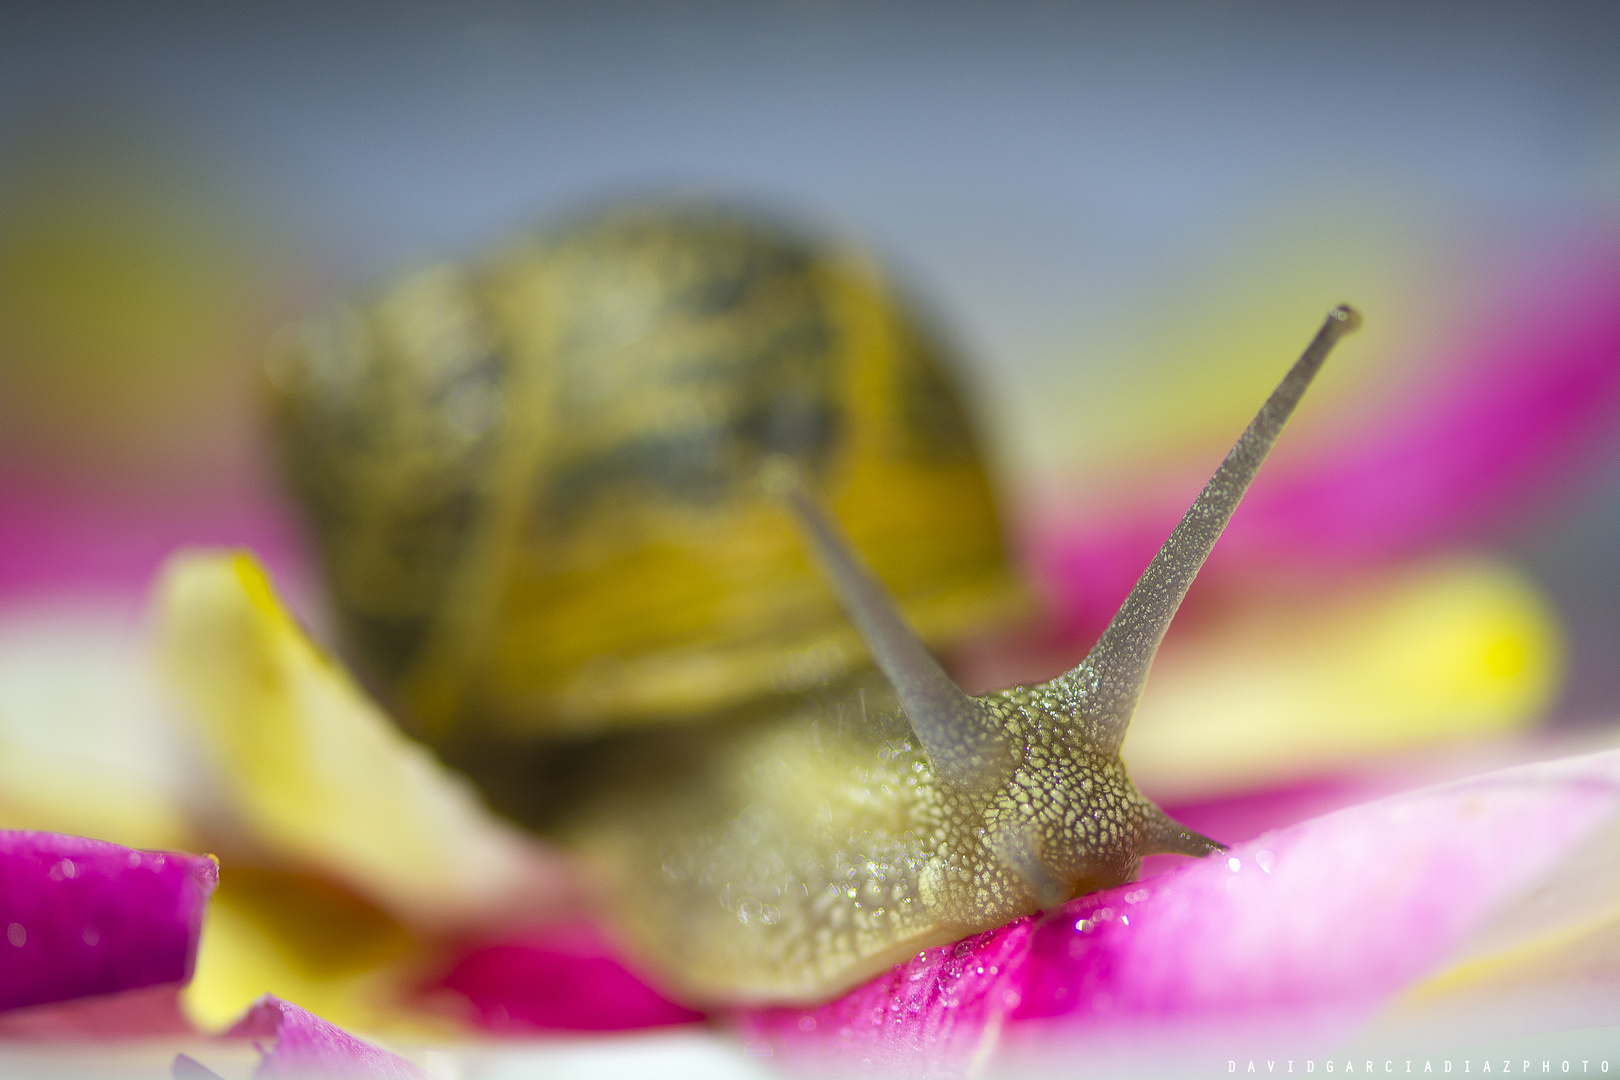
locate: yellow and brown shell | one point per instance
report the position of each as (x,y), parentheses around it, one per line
(533,476)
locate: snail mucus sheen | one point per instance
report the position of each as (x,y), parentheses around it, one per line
(535,480)
(785,858)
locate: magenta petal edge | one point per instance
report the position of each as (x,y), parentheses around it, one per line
(298,1044)
(82,918)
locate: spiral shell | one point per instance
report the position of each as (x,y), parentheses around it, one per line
(533,476)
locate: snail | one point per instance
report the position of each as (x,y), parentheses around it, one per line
(531,475)
(536,484)
(786,856)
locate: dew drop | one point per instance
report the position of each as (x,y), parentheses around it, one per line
(16,934)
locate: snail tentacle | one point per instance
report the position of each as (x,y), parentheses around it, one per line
(960,735)
(1164,835)
(1109,680)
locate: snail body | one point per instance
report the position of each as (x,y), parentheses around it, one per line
(788,856)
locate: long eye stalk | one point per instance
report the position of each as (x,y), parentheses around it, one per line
(1117,666)
(959,734)
(962,741)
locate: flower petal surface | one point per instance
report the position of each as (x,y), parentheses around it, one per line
(563,978)
(314,773)
(303,938)
(298,1045)
(84,917)
(87,742)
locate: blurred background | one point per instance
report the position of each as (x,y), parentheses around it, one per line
(1128,215)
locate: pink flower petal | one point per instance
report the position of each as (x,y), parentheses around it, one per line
(1245,815)
(1306,931)
(112,544)
(298,1043)
(563,978)
(83,917)
(1518,401)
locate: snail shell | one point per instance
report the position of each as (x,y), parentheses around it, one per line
(532,477)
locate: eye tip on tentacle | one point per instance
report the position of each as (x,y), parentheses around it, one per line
(1348,317)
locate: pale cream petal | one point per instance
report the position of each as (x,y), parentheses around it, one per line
(87,744)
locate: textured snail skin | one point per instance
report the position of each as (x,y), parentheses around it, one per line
(786,857)
(786,860)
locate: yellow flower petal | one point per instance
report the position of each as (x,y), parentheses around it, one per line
(317,776)
(1295,687)
(307,942)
